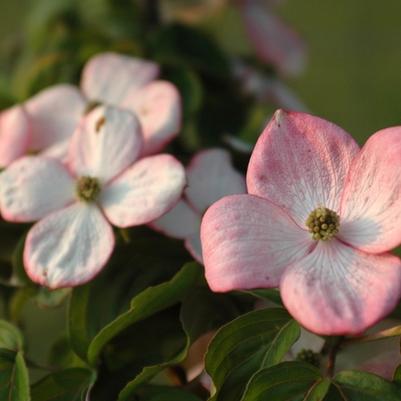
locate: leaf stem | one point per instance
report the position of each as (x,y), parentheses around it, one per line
(381,335)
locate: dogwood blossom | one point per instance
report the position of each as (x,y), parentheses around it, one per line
(273,41)
(210,176)
(14,134)
(110,79)
(103,182)
(318,221)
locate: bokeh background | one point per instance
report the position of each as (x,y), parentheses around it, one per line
(353,73)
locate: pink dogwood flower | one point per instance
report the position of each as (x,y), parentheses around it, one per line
(103,183)
(14,134)
(274,42)
(210,176)
(318,221)
(109,79)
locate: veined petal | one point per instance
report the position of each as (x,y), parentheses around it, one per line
(247,242)
(273,40)
(14,134)
(144,192)
(158,107)
(300,162)
(371,205)
(105,144)
(338,290)
(68,247)
(32,187)
(180,222)
(210,177)
(108,77)
(54,114)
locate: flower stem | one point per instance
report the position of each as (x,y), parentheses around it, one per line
(331,348)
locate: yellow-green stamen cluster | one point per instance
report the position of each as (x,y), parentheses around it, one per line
(307,355)
(323,224)
(88,188)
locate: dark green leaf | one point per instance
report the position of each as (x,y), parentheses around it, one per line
(62,356)
(249,343)
(363,386)
(318,391)
(288,381)
(14,381)
(147,303)
(269,294)
(397,375)
(189,86)
(180,44)
(10,336)
(66,385)
(163,393)
(201,312)
(19,277)
(51,298)
(133,267)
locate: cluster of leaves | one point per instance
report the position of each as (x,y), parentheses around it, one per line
(127,333)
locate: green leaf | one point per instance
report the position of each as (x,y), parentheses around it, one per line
(249,343)
(191,47)
(268,294)
(363,386)
(191,90)
(289,381)
(397,375)
(133,267)
(66,385)
(79,321)
(201,312)
(164,393)
(14,381)
(189,86)
(19,277)
(318,391)
(147,303)
(61,355)
(51,298)
(10,336)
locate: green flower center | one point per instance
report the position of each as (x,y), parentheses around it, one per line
(88,188)
(307,355)
(323,224)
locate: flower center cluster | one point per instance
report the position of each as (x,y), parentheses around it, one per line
(88,188)
(307,355)
(323,223)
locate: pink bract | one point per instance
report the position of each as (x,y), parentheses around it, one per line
(15,132)
(210,176)
(110,79)
(102,182)
(301,163)
(274,41)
